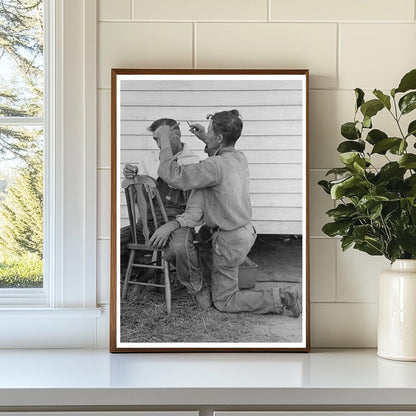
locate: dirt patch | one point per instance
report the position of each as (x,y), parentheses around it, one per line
(279,258)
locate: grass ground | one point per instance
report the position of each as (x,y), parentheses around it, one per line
(144,319)
(279,260)
(24,271)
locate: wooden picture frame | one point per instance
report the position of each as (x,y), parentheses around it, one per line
(273,105)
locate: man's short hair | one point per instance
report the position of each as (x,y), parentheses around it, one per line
(163,122)
(228,124)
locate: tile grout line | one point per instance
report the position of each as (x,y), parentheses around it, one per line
(131,9)
(317,302)
(194,62)
(336,247)
(369,89)
(336,270)
(269,10)
(306,22)
(338,63)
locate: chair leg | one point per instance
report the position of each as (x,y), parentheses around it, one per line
(166,274)
(128,274)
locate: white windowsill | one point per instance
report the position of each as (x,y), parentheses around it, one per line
(41,327)
(36,312)
(331,378)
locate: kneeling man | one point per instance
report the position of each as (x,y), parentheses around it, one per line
(221,200)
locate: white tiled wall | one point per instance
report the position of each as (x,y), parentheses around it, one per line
(345,44)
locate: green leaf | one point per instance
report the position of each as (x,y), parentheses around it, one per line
(336,228)
(408,82)
(338,189)
(375,211)
(408,161)
(349,158)
(375,136)
(371,108)
(385,99)
(368,248)
(338,171)
(369,201)
(400,148)
(383,145)
(361,231)
(393,250)
(359,165)
(325,186)
(407,240)
(346,242)
(411,130)
(342,211)
(349,146)
(349,131)
(367,122)
(408,102)
(391,170)
(359,94)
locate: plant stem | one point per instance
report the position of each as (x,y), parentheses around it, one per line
(397,118)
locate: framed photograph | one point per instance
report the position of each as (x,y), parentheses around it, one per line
(209,211)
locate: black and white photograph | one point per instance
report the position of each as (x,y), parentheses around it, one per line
(209,231)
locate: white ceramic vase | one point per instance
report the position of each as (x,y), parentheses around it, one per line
(397,312)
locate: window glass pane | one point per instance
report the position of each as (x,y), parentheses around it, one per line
(21,208)
(21,58)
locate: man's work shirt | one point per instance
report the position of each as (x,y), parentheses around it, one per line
(223,181)
(150,165)
(174,199)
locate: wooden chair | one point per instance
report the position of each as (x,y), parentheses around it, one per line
(135,190)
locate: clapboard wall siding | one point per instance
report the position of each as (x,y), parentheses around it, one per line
(253,156)
(251,128)
(211,98)
(259,213)
(269,170)
(198,114)
(257,201)
(244,143)
(209,85)
(271,138)
(278,227)
(271,186)
(262,227)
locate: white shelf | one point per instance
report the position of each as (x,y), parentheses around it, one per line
(56,378)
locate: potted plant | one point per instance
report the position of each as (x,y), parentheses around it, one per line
(376,206)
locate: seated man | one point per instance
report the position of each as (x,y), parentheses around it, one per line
(181,251)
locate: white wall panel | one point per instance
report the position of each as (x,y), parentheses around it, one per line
(341,10)
(384,41)
(104,129)
(104,202)
(141,45)
(357,275)
(348,325)
(201,9)
(323,262)
(340,56)
(270,45)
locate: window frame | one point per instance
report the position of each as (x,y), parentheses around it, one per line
(29,317)
(34,296)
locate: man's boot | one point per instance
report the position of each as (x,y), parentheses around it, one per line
(290,300)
